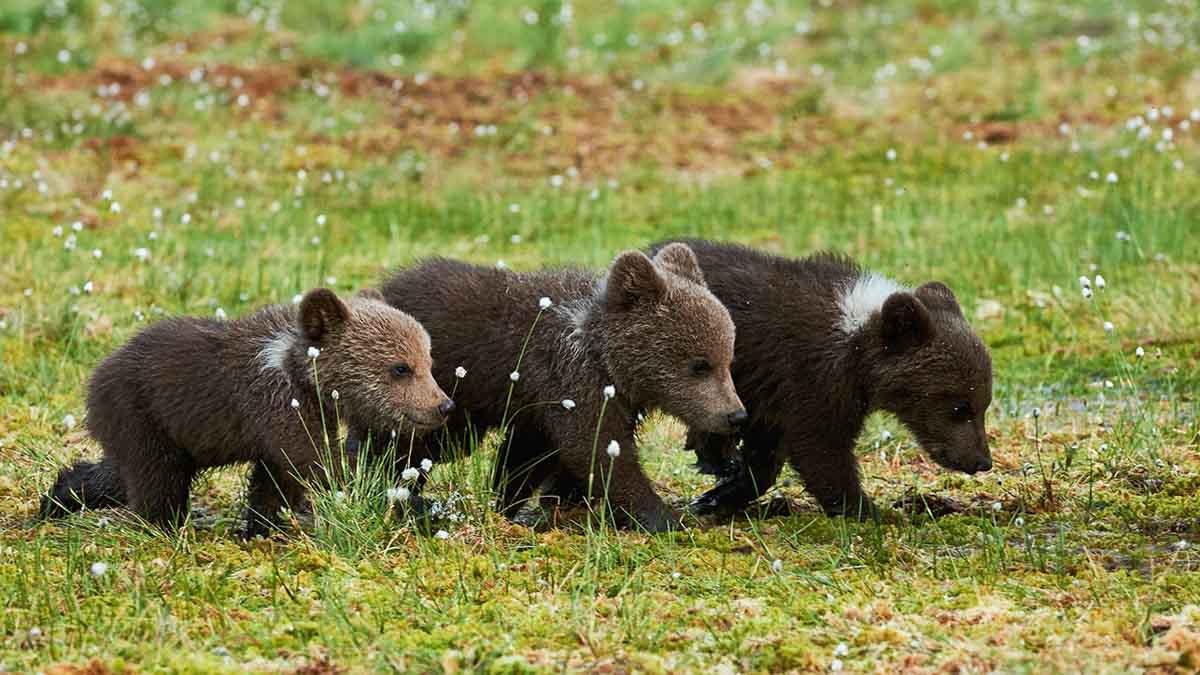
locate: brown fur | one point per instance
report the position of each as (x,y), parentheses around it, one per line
(643,328)
(809,386)
(188,394)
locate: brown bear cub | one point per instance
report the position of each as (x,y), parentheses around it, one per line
(647,335)
(821,344)
(188,394)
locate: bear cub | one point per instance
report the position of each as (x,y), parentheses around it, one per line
(647,335)
(188,394)
(821,344)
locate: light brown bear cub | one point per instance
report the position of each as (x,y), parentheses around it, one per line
(650,329)
(188,394)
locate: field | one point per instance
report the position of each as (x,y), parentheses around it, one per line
(206,158)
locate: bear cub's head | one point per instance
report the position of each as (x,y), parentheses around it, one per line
(669,341)
(376,357)
(935,374)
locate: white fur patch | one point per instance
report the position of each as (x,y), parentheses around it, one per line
(862,299)
(274,353)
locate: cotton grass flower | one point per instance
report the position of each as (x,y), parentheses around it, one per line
(997,506)
(295,404)
(442,534)
(1139,352)
(220,314)
(398,494)
(69,421)
(514,376)
(1108,327)
(777,566)
(313,352)
(99,569)
(841,649)
(1100,283)
(568,404)
(427,465)
(613,449)
(544,303)
(609,392)
(334,395)
(410,473)
(460,372)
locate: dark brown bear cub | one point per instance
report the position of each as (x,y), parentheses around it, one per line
(821,344)
(649,329)
(188,394)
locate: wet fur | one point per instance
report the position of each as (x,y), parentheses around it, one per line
(188,394)
(636,328)
(810,377)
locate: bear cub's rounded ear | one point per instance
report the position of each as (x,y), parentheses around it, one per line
(371,294)
(904,323)
(321,313)
(632,280)
(681,260)
(938,296)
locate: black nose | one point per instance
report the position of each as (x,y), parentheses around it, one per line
(984,464)
(737,419)
(446,407)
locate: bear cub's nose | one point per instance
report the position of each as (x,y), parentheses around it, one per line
(446,407)
(738,418)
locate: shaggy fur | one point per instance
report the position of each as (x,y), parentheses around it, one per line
(188,394)
(821,344)
(649,328)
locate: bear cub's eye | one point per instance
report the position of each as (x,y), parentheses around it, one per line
(961,411)
(400,370)
(700,367)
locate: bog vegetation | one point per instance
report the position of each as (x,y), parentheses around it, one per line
(206,158)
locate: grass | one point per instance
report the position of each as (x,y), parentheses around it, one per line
(232,154)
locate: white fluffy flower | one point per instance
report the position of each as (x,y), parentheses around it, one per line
(514,376)
(997,506)
(613,449)
(836,665)
(442,534)
(220,314)
(1108,327)
(398,494)
(1087,292)
(99,568)
(460,372)
(69,422)
(1100,283)
(313,352)
(568,404)
(295,404)
(841,649)
(1111,177)
(544,303)
(1085,282)
(609,392)
(1139,352)
(777,566)
(410,473)
(427,465)
(334,395)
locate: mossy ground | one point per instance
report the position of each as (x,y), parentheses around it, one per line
(162,158)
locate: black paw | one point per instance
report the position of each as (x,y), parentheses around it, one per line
(729,495)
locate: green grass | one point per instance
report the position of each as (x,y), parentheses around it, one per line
(616,124)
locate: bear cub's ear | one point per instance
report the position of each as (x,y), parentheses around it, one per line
(938,296)
(633,281)
(371,294)
(321,313)
(680,259)
(905,323)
